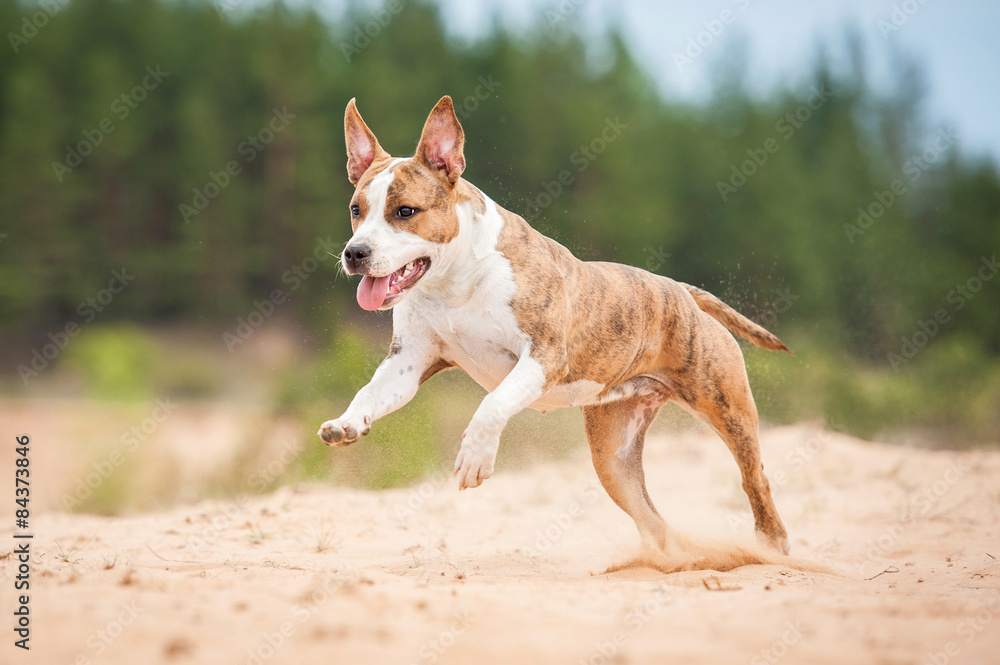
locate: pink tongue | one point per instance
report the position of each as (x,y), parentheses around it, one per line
(372,291)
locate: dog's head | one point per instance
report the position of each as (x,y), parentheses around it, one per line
(403,210)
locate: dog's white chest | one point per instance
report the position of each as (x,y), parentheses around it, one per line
(482,336)
(486,362)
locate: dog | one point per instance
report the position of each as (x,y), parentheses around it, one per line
(474,286)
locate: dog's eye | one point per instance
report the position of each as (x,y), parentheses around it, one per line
(355,210)
(405,211)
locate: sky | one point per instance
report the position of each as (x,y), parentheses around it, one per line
(955,41)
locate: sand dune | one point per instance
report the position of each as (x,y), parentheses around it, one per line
(514,571)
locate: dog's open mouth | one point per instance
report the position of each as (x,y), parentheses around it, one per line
(373,292)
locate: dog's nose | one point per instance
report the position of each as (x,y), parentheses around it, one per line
(355,256)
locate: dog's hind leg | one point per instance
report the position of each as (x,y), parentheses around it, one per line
(724,399)
(740,434)
(616,432)
(742,438)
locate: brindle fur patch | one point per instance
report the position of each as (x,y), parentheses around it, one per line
(416,186)
(439,365)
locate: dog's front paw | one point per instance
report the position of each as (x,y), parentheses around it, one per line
(343,432)
(473,466)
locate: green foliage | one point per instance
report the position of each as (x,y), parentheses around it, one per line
(651,197)
(116,361)
(949,392)
(123,361)
(187,376)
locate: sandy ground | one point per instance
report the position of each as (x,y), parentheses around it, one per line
(513,572)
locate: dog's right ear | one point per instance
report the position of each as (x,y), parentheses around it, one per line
(362,146)
(442,141)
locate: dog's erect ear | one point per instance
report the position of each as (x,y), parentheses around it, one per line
(441,142)
(362,146)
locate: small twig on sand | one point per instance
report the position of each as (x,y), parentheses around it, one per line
(890,569)
(991,556)
(171,560)
(717,586)
(66,556)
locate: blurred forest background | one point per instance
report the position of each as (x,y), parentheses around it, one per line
(197,149)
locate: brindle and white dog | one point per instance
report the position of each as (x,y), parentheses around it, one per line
(472,285)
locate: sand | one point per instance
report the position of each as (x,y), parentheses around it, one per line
(514,571)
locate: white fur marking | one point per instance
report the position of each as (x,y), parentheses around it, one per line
(577,393)
(632,432)
(378,191)
(489,227)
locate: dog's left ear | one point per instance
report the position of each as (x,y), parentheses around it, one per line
(441,142)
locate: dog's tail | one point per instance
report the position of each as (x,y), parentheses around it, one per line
(736,322)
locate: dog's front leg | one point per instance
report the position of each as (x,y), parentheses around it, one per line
(525,384)
(394,383)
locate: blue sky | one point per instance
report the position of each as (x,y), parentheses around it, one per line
(955,41)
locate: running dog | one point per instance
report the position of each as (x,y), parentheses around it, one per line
(473,286)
